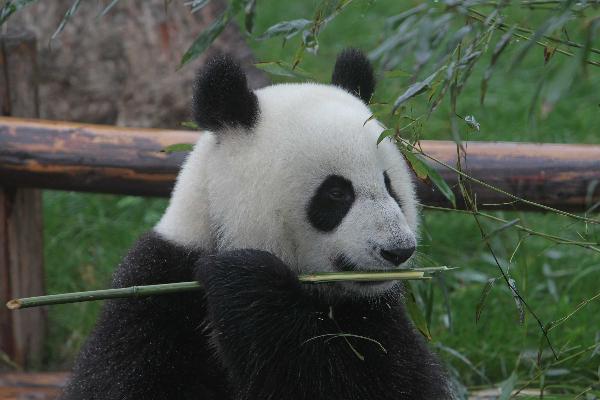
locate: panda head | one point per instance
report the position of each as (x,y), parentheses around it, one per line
(294,169)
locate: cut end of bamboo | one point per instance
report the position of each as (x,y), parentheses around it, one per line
(14,304)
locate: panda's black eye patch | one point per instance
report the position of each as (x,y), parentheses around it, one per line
(389,188)
(330,203)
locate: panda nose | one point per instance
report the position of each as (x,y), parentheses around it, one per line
(397,256)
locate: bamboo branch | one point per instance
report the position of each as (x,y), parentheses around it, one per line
(149,290)
(594,246)
(481,17)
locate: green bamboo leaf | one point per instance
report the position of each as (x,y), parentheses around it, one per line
(288,29)
(178,148)
(396,73)
(280,68)
(484,295)
(197,5)
(416,89)
(517,299)
(415,312)
(385,134)
(424,171)
(395,40)
(237,5)
(457,38)
(417,165)
(441,184)
(298,56)
(249,15)
(536,95)
(551,24)
(70,12)
(435,99)
(500,47)
(394,21)
(507,387)
(12,6)
(310,41)
(466,64)
(564,78)
(206,38)
(377,115)
(108,7)
(503,227)
(549,51)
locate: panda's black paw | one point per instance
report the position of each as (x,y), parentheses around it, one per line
(247,273)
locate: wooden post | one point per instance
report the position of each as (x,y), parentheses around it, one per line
(21,234)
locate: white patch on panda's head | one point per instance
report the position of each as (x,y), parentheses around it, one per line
(306,182)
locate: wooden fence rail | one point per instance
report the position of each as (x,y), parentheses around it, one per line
(108,159)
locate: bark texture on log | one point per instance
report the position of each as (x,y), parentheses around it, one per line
(121,69)
(61,155)
(40,386)
(92,158)
(21,226)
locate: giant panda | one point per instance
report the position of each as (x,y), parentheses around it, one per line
(287,180)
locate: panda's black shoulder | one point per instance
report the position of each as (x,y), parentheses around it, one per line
(155,260)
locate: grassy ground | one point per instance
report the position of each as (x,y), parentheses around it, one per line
(86,235)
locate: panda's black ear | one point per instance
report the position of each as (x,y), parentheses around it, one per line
(222,97)
(354,72)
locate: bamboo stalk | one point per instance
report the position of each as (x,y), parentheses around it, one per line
(148,290)
(362,276)
(92,295)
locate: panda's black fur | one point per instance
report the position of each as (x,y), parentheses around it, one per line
(254,331)
(222,97)
(151,348)
(353,72)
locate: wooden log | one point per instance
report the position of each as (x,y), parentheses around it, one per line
(89,158)
(562,176)
(69,156)
(39,386)
(21,226)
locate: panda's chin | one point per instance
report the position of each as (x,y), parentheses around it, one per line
(343,263)
(368,289)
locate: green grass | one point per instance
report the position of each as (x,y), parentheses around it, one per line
(86,235)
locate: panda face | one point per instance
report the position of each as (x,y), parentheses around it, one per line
(305,181)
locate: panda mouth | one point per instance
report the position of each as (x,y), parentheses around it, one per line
(344,264)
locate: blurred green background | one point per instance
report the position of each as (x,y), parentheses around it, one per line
(86,235)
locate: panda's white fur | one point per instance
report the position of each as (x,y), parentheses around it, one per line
(251,189)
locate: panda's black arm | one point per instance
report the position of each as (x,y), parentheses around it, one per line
(279,340)
(150,348)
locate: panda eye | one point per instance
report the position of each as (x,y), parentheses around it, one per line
(338,194)
(390,189)
(330,203)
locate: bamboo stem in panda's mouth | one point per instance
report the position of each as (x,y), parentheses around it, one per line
(150,290)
